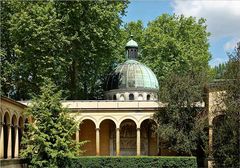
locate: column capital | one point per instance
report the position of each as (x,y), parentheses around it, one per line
(9,125)
(117,129)
(1,123)
(97,129)
(16,126)
(138,129)
(210,126)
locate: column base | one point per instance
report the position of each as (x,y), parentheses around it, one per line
(209,162)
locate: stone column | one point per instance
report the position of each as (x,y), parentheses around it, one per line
(210,142)
(117,141)
(138,142)
(1,140)
(16,150)
(9,149)
(97,141)
(77,135)
(210,147)
(158,151)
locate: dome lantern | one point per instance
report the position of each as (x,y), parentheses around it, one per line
(131,49)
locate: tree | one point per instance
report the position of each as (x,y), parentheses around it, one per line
(64,41)
(176,44)
(226,132)
(219,70)
(92,30)
(176,48)
(183,121)
(38,45)
(48,140)
(7,54)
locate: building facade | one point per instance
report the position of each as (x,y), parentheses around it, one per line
(120,125)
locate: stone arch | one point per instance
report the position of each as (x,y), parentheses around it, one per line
(122,97)
(89,118)
(148,97)
(125,118)
(106,118)
(128,137)
(107,136)
(149,141)
(140,97)
(20,122)
(14,120)
(7,117)
(87,132)
(131,96)
(145,118)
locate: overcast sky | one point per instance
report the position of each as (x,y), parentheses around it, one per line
(222,18)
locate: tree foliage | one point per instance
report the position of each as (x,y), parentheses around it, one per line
(132,28)
(65,41)
(48,140)
(219,71)
(176,48)
(176,44)
(182,121)
(226,132)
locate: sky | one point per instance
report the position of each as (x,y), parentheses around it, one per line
(222,19)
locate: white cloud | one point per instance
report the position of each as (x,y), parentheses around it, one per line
(223,17)
(230,45)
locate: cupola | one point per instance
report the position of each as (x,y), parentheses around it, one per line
(132,81)
(131,49)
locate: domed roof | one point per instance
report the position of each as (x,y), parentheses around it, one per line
(132,75)
(131,43)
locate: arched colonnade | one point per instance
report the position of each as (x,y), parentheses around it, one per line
(126,135)
(11,131)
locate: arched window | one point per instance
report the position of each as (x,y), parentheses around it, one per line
(131,97)
(122,98)
(114,97)
(148,97)
(140,97)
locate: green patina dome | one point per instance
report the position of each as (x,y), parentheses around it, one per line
(132,75)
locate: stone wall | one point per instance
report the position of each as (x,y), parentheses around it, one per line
(12,163)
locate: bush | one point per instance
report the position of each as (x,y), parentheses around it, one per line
(130,161)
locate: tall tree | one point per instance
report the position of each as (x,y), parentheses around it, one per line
(38,45)
(65,41)
(226,132)
(92,30)
(7,54)
(183,121)
(48,140)
(176,44)
(176,48)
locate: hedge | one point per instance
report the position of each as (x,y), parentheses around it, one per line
(130,162)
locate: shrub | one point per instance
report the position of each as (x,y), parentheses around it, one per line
(131,162)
